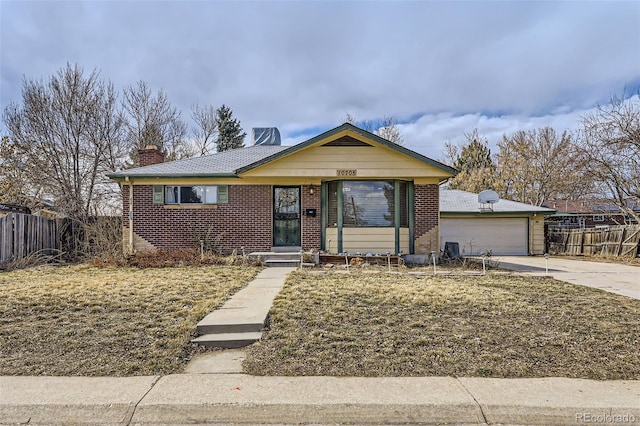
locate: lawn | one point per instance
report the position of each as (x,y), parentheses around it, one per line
(87,321)
(484,326)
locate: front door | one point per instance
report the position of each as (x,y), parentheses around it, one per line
(286,216)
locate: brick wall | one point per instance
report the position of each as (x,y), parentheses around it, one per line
(150,155)
(311,226)
(245,221)
(427,207)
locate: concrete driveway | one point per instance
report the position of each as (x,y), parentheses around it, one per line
(611,277)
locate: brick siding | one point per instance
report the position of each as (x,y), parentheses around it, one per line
(245,221)
(427,211)
(311,226)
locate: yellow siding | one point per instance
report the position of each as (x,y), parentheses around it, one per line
(364,240)
(368,162)
(331,240)
(536,235)
(404,240)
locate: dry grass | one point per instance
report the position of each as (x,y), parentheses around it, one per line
(83,320)
(490,326)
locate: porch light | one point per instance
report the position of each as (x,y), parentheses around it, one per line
(311,189)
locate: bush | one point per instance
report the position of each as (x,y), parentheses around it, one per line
(166,258)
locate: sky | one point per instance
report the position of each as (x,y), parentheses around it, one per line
(440,69)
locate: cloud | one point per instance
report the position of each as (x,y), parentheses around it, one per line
(303,65)
(428,134)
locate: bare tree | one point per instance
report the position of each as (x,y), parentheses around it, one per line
(538,165)
(386,128)
(206,130)
(13,177)
(610,152)
(63,137)
(152,120)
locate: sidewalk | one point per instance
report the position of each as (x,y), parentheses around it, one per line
(238,398)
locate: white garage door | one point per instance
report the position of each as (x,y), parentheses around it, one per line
(503,236)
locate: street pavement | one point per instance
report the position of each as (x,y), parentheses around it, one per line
(611,277)
(239,398)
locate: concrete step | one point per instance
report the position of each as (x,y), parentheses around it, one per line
(288,249)
(269,255)
(282,263)
(278,259)
(237,326)
(228,340)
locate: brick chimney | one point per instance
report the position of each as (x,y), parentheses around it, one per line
(150,155)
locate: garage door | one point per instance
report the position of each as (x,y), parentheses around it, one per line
(503,236)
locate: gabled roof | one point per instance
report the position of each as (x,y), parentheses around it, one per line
(237,161)
(347,126)
(454,201)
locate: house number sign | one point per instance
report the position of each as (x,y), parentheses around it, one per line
(347,172)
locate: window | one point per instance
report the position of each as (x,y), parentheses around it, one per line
(196,194)
(368,203)
(598,218)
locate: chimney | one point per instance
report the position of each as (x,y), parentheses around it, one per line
(150,155)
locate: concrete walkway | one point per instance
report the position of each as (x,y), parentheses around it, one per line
(611,277)
(239,322)
(237,398)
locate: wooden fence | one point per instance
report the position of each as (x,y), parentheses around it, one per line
(620,240)
(22,235)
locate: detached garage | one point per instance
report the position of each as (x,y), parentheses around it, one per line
(506,228)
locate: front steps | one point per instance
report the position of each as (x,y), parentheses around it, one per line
(241,320)
(228,340)
(278,259)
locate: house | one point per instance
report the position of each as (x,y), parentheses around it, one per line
(506,228)
(588,213)
(345,190)
(14,208)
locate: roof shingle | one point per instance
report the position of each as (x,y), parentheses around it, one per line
(456,201)
(221,163)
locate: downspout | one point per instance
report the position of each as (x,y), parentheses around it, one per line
(412,200)
(131,247)
(396,215)
(323,215)
(340,221)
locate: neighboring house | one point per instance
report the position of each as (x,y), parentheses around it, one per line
(14,208)
(506,228)
(589,213)
(346,190)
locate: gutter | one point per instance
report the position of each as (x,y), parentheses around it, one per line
(124,177)
(494,213)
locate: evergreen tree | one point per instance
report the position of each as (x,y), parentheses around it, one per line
(477,170)
(230,134)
